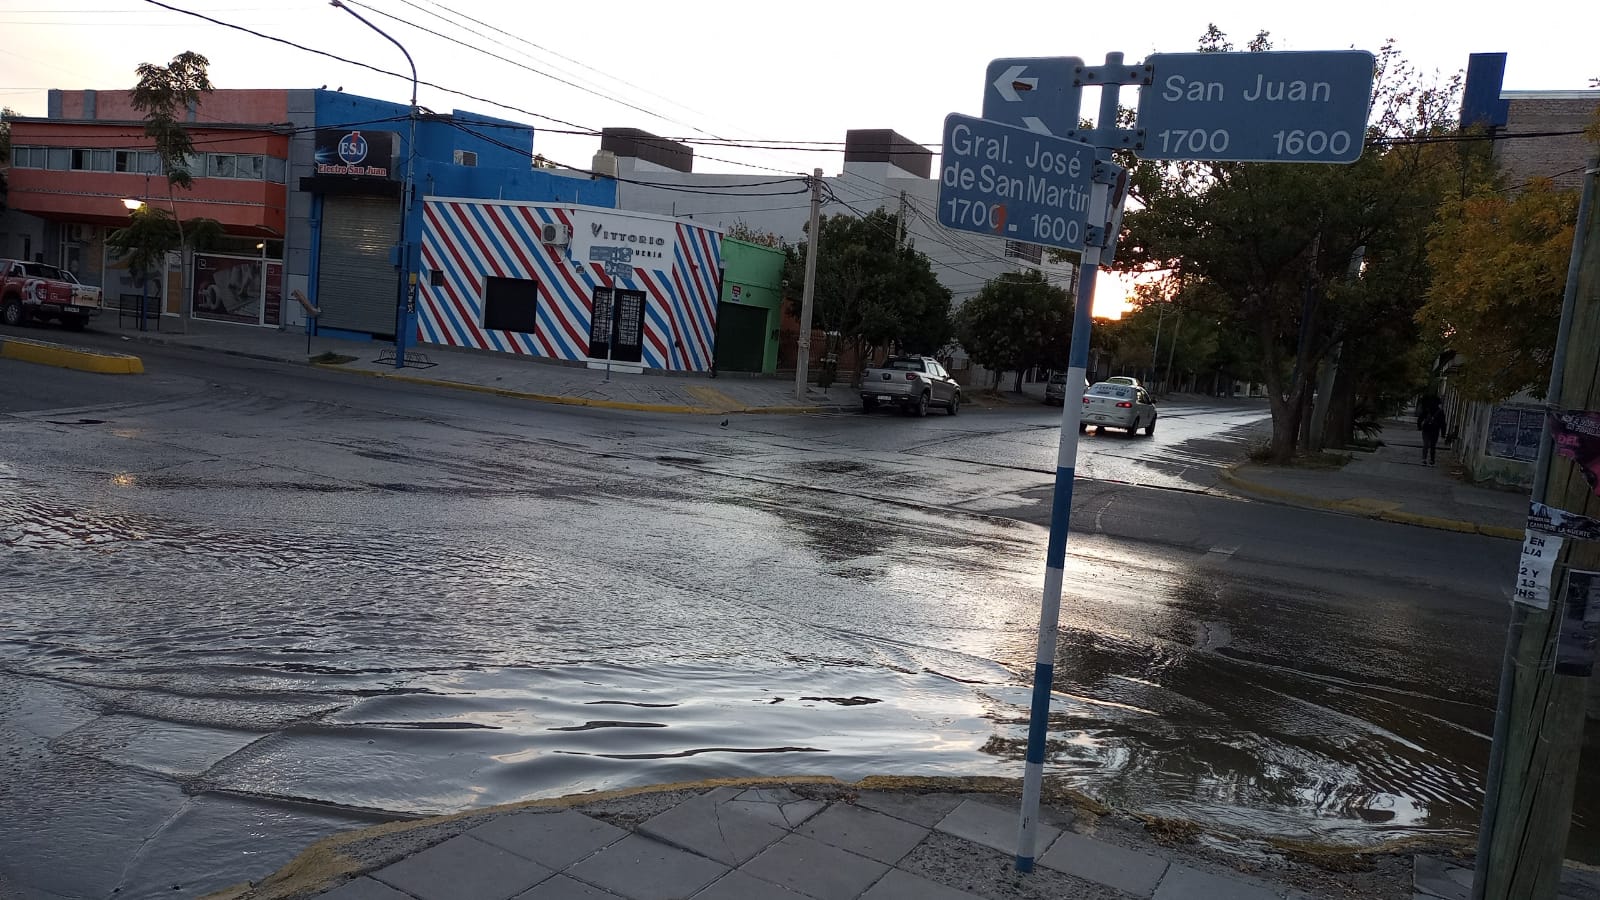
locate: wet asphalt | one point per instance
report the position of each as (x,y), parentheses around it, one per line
(246,604)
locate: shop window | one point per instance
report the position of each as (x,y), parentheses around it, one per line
(511,304)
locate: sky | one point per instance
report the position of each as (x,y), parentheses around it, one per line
(744,71)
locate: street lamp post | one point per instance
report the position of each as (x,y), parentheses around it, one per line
(403,301)
(261,305)
(144,277)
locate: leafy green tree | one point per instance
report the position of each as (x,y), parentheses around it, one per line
(1274,243)
(6,114)
(1019,320)
(873,291)
(1500,266)
(166,94)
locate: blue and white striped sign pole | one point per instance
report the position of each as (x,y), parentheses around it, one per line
(1044,664)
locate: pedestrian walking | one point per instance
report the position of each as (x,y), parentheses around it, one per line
(1431,422)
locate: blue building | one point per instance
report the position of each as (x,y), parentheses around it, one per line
(347,238)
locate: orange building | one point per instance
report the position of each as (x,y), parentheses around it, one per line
(76,168)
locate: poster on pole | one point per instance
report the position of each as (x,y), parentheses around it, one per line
(1539,552)
(1577,437)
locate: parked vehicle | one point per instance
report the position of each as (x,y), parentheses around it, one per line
(1108,405)
(1055,390)
(33,290)
(912,383)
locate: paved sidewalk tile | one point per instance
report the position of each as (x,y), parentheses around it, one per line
(777,806)
(898,885)
(556,839)
(991,826)
(717,830)
(815,869)
(640,868)
(1126,870)
(563,888)
(871,834)
(1184,883)
(736,885)
(920,809)
(364,889)
(463,867)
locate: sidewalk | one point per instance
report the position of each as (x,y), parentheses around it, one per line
(501,374)
(882,839)
(1391,484)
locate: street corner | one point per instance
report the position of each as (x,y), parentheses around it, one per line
(48,353)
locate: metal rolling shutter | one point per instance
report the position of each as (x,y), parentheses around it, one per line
(357,287)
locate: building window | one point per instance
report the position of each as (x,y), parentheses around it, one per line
(1032,253)
(138,162)
(511,304)
(59,159)
(276,170)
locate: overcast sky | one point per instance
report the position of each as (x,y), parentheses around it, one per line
(795,72)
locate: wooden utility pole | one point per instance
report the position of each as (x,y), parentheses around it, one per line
(1533,765)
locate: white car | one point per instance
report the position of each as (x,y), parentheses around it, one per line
(1108,405)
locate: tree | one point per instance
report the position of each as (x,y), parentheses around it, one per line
(870,289)
(1274,243)
(6,114)
(742,231)
(1500,266)
(1019,320)
(166,94)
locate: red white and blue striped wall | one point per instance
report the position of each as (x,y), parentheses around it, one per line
(469,241)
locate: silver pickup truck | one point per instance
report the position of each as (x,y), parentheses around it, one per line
(912,383)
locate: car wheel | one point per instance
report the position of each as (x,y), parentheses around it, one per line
(921,408)
(955,403)
(1150,430)
(11,312)
(868,404)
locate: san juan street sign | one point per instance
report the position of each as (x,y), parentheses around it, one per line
(1038,93)
(1006,181)
(1256,107)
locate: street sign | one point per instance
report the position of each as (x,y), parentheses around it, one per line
(1006,181)
(1256,107)
(1035,92)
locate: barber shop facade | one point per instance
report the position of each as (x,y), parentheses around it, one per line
(581,284)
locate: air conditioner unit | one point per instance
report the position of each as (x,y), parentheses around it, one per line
(555,233)
(466,158)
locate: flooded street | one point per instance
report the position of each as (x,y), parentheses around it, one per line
(244,609)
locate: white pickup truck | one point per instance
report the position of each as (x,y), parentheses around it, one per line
(911,383)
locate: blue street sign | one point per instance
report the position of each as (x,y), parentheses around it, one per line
(1035,92)
(1009,182)
(1256,107)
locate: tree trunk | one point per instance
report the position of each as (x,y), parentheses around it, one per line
(1341,427)
(1018,388)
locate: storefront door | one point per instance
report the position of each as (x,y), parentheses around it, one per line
(628,307)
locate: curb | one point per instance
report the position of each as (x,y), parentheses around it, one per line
(563,400)
(325,862)
(1366,508)
(61,356)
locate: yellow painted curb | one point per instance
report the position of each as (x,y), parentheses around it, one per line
(1381,510)
(571,401)
(45,353)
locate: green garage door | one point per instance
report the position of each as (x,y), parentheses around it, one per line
(741,337)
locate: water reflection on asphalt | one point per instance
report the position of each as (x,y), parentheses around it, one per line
(349,646)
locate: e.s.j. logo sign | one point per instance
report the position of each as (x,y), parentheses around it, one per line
(355,153)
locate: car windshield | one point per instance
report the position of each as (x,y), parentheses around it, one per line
(1121,392)
(906,365)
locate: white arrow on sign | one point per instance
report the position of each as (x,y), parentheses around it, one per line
(1035,124)
(1010,80)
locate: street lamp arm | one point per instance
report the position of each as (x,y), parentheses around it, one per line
(363,20)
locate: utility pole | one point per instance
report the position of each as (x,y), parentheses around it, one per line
(900,219)
(1538,729)
(1172,352)
(813,245)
